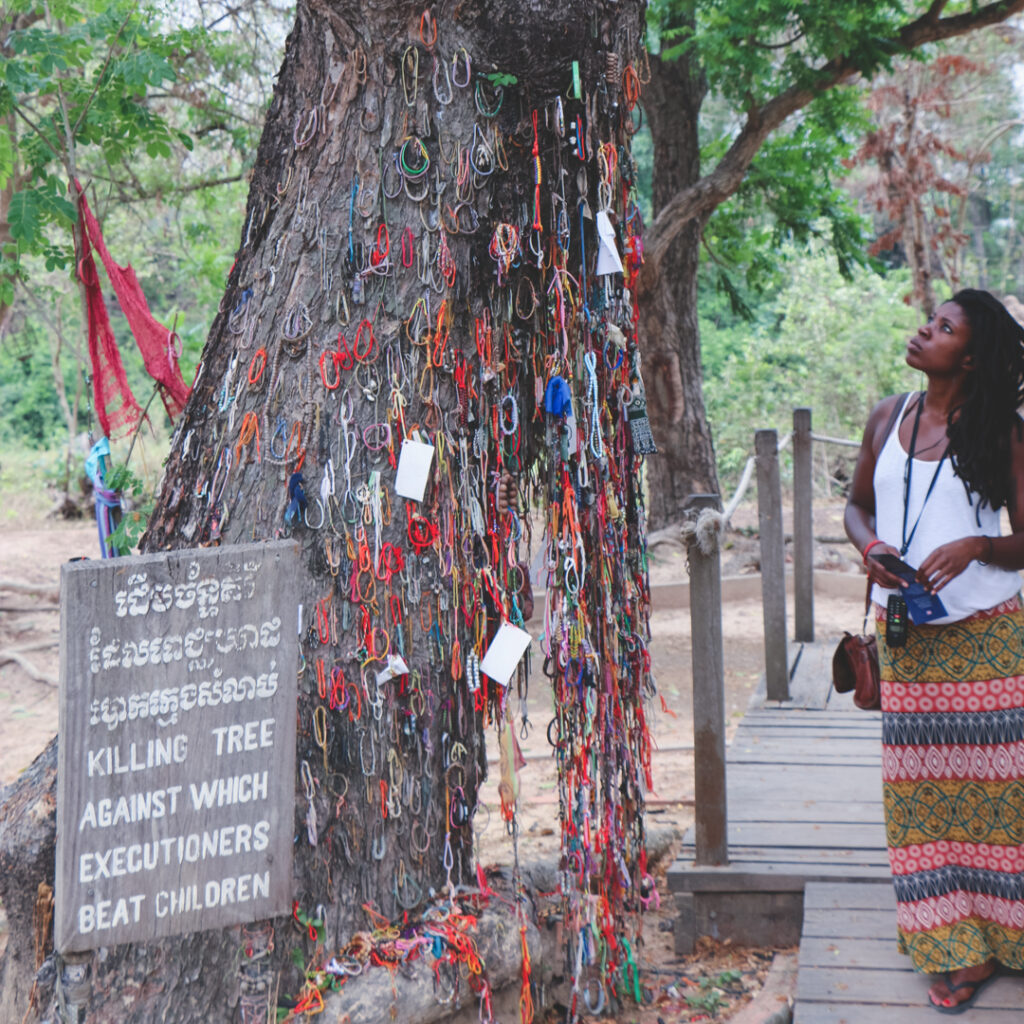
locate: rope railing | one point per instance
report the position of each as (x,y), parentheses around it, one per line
(748,473)
(845,442)
(748,469)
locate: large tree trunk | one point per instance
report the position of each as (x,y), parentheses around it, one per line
(395,785)
(685,463)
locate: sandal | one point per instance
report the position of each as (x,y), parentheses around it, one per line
(975,987)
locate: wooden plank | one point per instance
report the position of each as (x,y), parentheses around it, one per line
(913,1013)
(776,769)
(803,528)
(773,563)
(806,743)
(708,695)
(849,896)
(799,720)
(767,918)
(807,780)
(767,874)
(849,924)
(834,953)
(754,838)
(827,750)
(809,726)
(812,865)
(757,783)
(808,835)
(839,812)
(827,743)
(794,716)
(893,986)
(809,742)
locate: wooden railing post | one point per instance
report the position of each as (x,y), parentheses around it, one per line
(712,844)
(773,563)
(803,528)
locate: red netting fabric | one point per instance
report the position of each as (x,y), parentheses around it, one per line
(156,342)
(116,408)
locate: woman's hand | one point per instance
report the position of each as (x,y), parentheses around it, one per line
(877,573)
(947,561)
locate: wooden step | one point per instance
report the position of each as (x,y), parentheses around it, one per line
(851,973)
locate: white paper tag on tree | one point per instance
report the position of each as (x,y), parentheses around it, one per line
(396,667)
(608,261)
(413,469)
(507,648)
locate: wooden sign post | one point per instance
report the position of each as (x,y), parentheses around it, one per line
(176,767)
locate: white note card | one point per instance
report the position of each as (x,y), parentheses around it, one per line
(608,261)
(396,667)
(507,647)
(413,469)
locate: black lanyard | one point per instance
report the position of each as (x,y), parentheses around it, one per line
(906,480)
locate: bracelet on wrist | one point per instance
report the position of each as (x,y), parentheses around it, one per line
(988,556)
(864,553)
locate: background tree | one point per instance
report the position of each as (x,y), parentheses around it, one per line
(777,64)
(419,252)
(934,127)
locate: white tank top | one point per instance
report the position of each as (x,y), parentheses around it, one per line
(947,515)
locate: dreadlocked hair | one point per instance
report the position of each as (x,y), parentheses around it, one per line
(981,428)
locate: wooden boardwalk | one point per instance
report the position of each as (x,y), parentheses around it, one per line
(850,972)
(808,863)
(804,795)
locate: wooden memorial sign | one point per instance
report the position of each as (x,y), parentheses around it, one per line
(176,765)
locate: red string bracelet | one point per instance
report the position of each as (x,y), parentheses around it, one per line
(864,553)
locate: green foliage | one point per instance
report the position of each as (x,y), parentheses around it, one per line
(29,412)
(94,86)
(751,51)
(709,1001)
(501,79)
(755,49)
(140,82)
(710,998)
(136,507)
(833,343)
(76,82)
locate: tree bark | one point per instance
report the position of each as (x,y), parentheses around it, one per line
(685,463)
(338,333)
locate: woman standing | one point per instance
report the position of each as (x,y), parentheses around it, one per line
(933,472)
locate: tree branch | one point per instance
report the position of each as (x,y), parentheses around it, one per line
(135,194)
(39,131)
(700,198)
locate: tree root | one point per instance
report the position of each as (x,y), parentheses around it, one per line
(26,587)
(15,654)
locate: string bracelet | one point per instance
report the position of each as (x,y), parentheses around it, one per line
(988,557)
(864,553)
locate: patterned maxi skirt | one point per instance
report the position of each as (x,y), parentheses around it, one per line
(953,788)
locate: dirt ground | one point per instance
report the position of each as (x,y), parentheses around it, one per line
(681,990)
